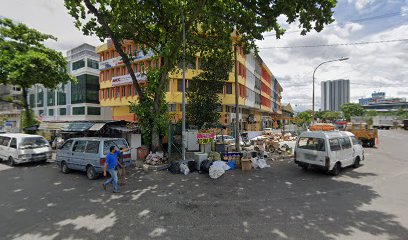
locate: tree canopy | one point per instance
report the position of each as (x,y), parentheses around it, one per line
(352,109)
(303,118)
(157,26)
(25,61)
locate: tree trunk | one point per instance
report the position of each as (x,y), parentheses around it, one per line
(25,106)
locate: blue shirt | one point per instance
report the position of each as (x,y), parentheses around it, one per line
(112,160)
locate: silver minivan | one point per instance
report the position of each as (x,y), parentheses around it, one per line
(88,154)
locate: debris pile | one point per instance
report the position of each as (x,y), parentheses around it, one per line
(155,159)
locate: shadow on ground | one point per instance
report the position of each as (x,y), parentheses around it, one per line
(282,202)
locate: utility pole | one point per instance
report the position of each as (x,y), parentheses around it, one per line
(183,103)
(236,101)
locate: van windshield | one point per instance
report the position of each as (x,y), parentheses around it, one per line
(33,142)
(119,143)
(311,143)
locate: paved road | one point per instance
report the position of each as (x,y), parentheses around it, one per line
(282,202)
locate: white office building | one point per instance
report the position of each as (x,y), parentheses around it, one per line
(73,101)
(334,94)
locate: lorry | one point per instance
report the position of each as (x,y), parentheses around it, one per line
(363,132)
(383,122)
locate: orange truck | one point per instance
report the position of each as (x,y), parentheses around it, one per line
(366,135)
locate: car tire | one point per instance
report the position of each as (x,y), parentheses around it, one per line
(336,169)
(64,168)
(10,161)
(305,167)
(91,173)
(356,163)
(372,143)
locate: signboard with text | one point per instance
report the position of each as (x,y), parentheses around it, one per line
(126,79)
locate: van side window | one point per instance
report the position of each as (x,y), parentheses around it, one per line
(67,145)
(13,143)
(6,141)
(311,143)
(92,147)
(354,140)
(334,144)
(345,143)
(1,140)
(79,146)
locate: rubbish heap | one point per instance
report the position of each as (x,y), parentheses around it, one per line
(155,159)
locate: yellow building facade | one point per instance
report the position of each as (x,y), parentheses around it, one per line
(259,91)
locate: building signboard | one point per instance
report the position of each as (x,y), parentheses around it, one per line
(127,80)
(117,61)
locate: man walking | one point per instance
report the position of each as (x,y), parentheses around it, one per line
(110,165)
(121,169)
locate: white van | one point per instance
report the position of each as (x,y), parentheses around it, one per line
(329,150)
(20,148)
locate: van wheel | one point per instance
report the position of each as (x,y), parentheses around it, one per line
(356,162)
(11,161)
(336,169)
(91,173)
(64,168)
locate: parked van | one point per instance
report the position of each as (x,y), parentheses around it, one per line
(89,154)
(18,148)
(329,150)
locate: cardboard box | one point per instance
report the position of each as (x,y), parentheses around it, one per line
(246,164)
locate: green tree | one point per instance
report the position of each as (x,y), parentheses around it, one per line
(352,109)
(371,113)
(202,94)
(157,26)
(25,61)
(303,118)
(331,116)
(320,114)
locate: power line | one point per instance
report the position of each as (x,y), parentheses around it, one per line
(340,44)
(386,15)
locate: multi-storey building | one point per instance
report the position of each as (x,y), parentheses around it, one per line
(334,94)
(259,91)
(73,101)
(10,113)
(380,103)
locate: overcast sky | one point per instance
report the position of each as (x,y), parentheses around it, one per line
(372,67)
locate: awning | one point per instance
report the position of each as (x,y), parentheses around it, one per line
(122,128)
(77,127)
(97,127)
(56,126)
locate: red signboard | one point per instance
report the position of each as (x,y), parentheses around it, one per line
(205,135)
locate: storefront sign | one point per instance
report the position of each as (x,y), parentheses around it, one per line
(126,79)
(205,135)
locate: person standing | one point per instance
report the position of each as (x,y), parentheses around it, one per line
(110,166)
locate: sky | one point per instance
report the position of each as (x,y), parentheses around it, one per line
(371,67)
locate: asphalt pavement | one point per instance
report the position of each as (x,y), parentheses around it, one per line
(37,201)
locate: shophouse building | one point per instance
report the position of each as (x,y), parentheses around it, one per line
(259,91)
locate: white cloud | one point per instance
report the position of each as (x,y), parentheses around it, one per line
(360,4)
(47,16)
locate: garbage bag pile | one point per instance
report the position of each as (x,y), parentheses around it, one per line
(157,158)
(217,169)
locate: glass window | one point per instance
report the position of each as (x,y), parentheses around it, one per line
(40,112)
(180,85)
(78,111)
(79,146)
(92,147)
(334,144)
(33,142)
(117,92)
(171,107)
(120,143)
(50,98)
(123,91)
(311,143)
(62,111)
(94,111)
(92,63)
(13,143)
(85,90)
(51,112)
(355,140)
(40,98)
(32,100)
(228,88)
(6,141)
(67,145)
(345,143)
(62,98)
(130,90)
(78,64)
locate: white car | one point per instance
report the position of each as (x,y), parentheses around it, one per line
(20,148)
(328,150)
(227,139)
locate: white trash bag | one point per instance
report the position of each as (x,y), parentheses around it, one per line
(184,169)
(262,163)
(255,163)
(216,171)
(221,164)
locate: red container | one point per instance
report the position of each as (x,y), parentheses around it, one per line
(142,152)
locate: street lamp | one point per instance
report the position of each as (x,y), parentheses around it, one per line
(334,60)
